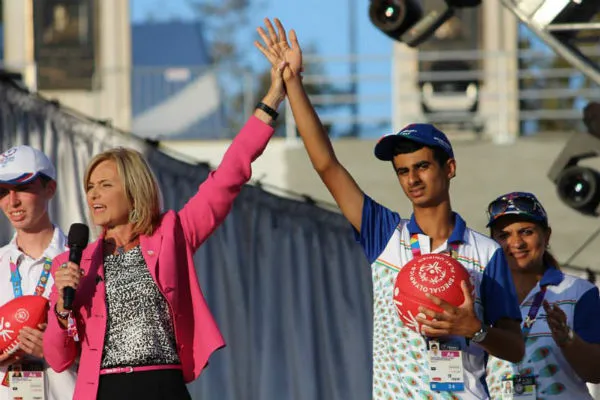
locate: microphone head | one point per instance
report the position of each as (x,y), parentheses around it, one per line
(79,235)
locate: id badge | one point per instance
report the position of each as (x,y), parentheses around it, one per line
(445,366)
(518,387)
(27,385)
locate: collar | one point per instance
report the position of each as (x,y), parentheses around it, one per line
(552,276)
(457,235)
(56,246)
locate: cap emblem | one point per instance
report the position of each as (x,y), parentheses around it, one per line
(7,157)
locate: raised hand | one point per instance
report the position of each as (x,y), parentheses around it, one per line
(557,322)
(458,321)
(277,49)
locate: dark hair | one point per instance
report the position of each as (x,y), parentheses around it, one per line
(549,259)
(405,146)
(44,179)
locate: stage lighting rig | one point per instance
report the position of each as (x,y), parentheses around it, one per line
(578,186)
(558,23)
(406,21)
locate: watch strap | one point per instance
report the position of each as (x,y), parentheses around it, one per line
(269,110)
(480,334)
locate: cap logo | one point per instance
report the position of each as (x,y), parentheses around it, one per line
(7,157)
(407,132)
(442,142)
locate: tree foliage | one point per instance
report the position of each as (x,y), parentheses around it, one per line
(229,52)
(224,22)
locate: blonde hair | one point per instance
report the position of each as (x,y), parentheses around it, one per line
(140,184)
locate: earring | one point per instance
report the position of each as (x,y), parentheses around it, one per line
(134,216)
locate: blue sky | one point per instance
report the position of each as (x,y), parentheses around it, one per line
(324,22)
(320,23)
(324,25)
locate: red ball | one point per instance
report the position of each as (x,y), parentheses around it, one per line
(437,274)
(15,315)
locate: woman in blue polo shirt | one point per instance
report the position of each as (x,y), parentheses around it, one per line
(560,312)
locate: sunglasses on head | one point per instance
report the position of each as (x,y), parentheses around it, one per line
(523,204)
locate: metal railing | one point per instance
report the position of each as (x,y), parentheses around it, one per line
(532,88)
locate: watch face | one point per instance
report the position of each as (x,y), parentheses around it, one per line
(479,336)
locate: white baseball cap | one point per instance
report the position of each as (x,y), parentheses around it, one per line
(22,164)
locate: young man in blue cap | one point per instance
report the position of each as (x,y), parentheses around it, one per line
(27,184)
(424,163)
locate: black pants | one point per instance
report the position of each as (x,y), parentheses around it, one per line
(163,384)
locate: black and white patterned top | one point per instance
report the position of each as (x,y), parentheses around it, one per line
(139,328)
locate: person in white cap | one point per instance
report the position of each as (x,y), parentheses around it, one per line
(27,184)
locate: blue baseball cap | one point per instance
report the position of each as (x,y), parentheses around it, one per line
(425,134)
(524,204)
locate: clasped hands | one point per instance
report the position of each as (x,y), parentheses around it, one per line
(278,51)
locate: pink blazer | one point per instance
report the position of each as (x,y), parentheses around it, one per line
(169,256)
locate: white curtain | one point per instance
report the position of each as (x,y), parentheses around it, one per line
(289,287)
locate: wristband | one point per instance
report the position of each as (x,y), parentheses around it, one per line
(272,113)
(64,315)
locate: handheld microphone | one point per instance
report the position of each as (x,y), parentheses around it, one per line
(79,235)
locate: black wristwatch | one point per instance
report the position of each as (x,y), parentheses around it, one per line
(480,335)
(267,109)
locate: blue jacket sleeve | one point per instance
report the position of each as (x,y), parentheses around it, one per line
(585,321)
(498,294)
(377,226)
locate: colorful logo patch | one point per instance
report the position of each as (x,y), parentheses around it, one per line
(7,157)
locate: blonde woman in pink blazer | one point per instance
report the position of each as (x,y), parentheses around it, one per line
(139,326)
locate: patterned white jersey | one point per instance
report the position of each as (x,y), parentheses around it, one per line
(400,364)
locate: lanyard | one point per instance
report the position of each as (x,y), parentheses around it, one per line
(416,248)
(530,320)
(533,311)
(15,277)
